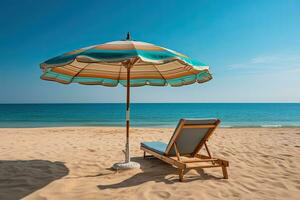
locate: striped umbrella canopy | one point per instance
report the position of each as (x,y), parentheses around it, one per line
(130,63)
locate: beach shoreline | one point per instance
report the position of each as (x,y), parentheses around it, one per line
(146,127)
(74,163)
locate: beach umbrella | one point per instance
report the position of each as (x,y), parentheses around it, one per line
(129,63)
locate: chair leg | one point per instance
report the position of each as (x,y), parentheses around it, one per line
(180,173)
(144,154)
(225,174)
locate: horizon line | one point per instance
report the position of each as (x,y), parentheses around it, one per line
(291,102)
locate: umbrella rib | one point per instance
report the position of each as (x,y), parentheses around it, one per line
(73,66)
(120,73)
(191,74)
(78,73)
(160,73)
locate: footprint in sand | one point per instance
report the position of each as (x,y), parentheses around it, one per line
(286,155)
(184,193)
(161,194)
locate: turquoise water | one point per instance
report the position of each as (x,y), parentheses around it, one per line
(160,114)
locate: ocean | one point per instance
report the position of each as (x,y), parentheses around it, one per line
(149,114)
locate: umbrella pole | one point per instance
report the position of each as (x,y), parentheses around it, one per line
(127,164)
(127,156)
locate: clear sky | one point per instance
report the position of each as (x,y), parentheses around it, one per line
(252,47)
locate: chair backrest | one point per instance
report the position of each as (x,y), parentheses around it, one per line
(190,135)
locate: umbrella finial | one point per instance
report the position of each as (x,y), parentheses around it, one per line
(128,36)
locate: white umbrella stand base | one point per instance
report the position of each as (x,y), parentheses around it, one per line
(126,165)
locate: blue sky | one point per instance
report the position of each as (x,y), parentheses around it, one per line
(253,47)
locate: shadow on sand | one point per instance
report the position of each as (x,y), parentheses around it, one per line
(19,178)
(155,170)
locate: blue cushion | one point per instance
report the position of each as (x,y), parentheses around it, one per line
(158,147)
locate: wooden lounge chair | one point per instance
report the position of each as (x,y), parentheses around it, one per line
(183,149)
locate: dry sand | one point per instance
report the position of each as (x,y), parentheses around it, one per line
(74,163)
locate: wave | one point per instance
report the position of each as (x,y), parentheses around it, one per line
(271,126)
(261,126)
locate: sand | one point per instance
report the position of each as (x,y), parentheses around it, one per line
(74,163)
